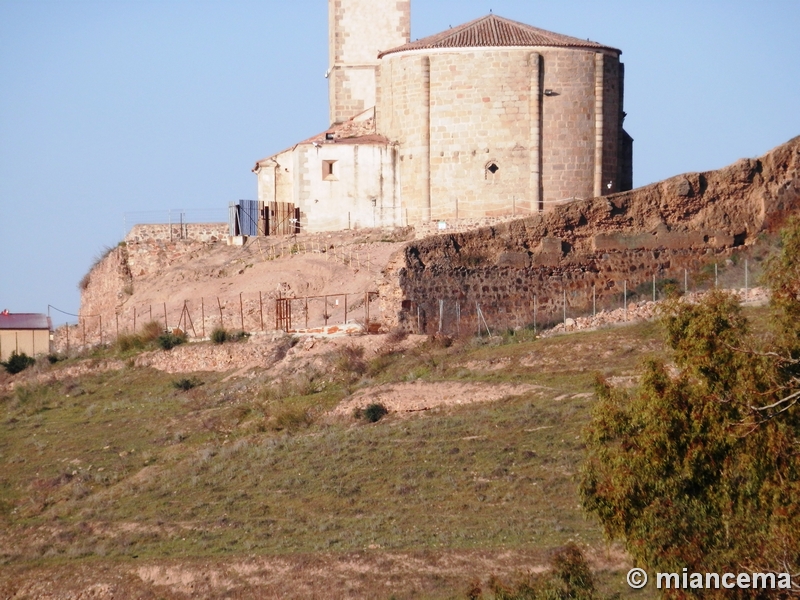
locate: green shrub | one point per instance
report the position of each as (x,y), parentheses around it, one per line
(372,413)
(18,362)
(219,335)
(167,341)
(185,384)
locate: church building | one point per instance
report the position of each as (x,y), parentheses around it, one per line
(490,118)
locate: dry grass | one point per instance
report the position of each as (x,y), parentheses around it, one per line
(105,467)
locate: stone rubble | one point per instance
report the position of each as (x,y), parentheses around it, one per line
(644,311)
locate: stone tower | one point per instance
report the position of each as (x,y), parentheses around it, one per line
(358,30)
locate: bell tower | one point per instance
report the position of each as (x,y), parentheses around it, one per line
(357,31)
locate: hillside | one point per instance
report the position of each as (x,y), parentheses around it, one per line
(254,484)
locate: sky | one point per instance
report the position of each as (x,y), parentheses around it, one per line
(116,111)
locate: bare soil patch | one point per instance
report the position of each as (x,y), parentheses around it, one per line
(370,574)
(418,396)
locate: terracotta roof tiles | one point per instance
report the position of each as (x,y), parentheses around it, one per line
(494,31)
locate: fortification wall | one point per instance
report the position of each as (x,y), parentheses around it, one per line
(164,232)
(107,287)
(680,223)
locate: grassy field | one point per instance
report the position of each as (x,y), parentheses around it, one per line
(110,473)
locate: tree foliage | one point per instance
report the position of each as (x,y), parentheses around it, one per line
(700,466)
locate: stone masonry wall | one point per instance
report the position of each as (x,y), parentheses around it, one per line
(163,232)
(457,112)
(402,115)
(359,30)
(682,222)
(480,116)
(568,125)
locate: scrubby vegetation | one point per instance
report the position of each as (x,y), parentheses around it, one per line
(168,340)
(372,413)
(17,363)
(568,578)
(186,383)
(243,466)
(220,335)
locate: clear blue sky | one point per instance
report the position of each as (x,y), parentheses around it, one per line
(120,106)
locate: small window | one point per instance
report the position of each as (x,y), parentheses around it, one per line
(493,168)
(329,170)
(491,172)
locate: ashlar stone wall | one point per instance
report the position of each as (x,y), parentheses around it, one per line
(493,131)
(358,31)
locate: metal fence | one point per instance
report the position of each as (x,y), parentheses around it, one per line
(248,312)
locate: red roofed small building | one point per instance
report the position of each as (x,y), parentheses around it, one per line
(24,332)
(482,120)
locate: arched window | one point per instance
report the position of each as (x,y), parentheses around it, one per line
(491,171)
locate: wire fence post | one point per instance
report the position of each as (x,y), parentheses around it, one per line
(625,298)
(745,279)
(564,303)
(166,326)
(685,282)
(716,276)
(241,310)
(534,314)
(654,287)
(366,311)
(441,314)
(203,316)
(261,310)
(221,322)
(594,301)
(482,318)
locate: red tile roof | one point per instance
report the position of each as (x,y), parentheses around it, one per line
(358,130)
(24,321)
(494,31)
